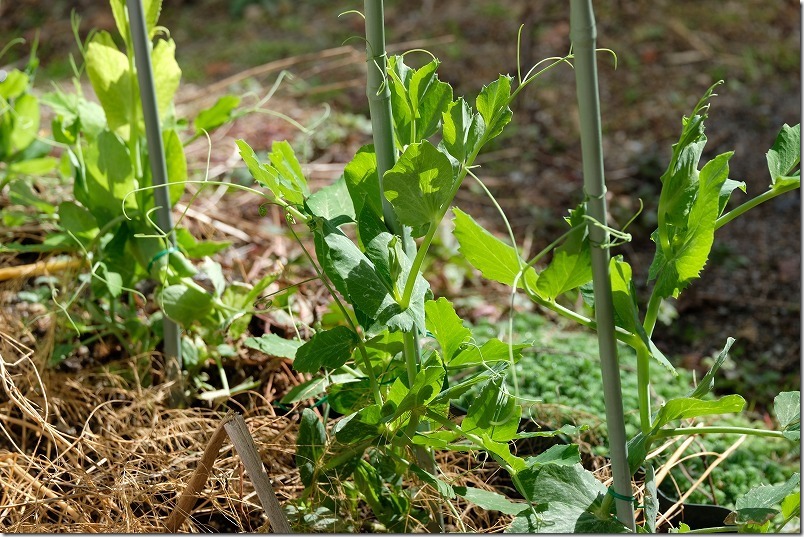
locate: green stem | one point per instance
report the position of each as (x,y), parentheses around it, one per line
(716,529)
(750,204)
(791,516)
(643,386)
(687,431)
(416,267)
(652,312)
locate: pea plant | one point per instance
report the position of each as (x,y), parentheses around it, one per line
(372,230)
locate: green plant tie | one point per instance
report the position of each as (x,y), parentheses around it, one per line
(159,255)
(618,496)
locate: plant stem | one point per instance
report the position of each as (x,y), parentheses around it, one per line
(652,312)
(717,529)
(684,431)
(643,386)
(583,34)
(750,204)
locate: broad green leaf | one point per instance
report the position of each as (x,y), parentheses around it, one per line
(442,487)
(571,265)
(420,186)
(26,124)
(359,426)
(571,496)
(113,82)
(333,203)
(216,115)
(707,383)
(492,257)
(310,446)
(787,406)
(151,10)
(35,166)
(791,505)
(650,499)
(688,407)
(426,387)
(185,304)
(785,154)
(681,260)
(362,182)
(492,103)
(493,413)
(330,348)
(14,85)
(306,390)
(167,75)
(78,221)
(176,164)
(490,352)
(456,390)
(763,502)
(566,455)
(491,501)
(109,177)
(462,130)
(726,190)
(501,452)
(357,278)
(198,249)
(273,345)
(445,325)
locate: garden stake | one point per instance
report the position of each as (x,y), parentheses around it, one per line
(379,97)
(583,34)
(153,135)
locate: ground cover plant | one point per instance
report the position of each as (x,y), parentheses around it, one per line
(395,358)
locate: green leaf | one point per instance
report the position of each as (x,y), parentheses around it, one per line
(491,501)
(729,186)
(462,130)
(785,154)
(198,249)
(787,406)
(571,496)
(310,446)
(273,345)
(650,499)
(14,85)
(306,390)
(359,426)
(176,164)
(492,257)
(26,124)
(114,84)
(283,177)
(763,502)
(707,383)
(185,304)
(329,348)
(426,387)
(109,177)
(333,203)
(456,390)
(566,455)
(493,413)
(442,487)
(420,186)
(167,76)
(216,115)
(571,265)
(492,103)
(418,100)
(34,166)
(78,221)
(687,407)
(362,182)
(791,505)
(445,325)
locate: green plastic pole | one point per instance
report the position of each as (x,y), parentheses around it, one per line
(156,154)
(584,36)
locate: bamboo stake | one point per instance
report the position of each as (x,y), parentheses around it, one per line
(584,36)
(39,268)
(156,153)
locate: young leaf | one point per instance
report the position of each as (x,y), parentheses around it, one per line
(566,455)
(330,349)
(113,82)
(167,76)
(490,352)
(445,325)
(306,390)
(787,406)
(273,345)
(78,221)
(310,446)
(198,249)
(726,190)
(571,265)
(359,426)
(289,171)
(785,154)
(176,164)
(442,487)
(420,186)
(26,124)
(333,203)
(14,85)
(492,103)
(426,387)
(109,177)
(216,115)
(686,407)
(463,130)
(362,182)
(492,257)
(707,383)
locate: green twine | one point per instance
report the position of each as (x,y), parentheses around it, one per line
(159,255)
